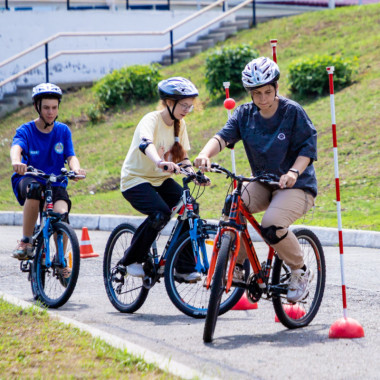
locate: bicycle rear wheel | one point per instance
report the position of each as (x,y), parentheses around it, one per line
(217,288)
(126,293)
(301,313)
(54,286)
(192,298)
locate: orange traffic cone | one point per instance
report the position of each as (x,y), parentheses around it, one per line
(86,250)
(293,311)
(244,304)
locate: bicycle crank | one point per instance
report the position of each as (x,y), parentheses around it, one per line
(253,290)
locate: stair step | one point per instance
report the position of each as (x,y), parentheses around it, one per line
(228,30)
(196,45)
(188,50)
(206,42)
(245,18)
(239,24)
(215,36)
(166,61)
(195,49)
(178,55)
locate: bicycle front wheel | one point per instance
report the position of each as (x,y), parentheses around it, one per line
(54,286)
(192,297)
(218,287)
(301,313)
(126,293)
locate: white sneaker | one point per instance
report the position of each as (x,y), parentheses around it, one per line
(136,270)
(188,277)
(239,274)
(298,288)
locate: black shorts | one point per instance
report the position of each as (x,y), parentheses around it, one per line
(59,193)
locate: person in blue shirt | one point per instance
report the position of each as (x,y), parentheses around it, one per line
(44,144)
(278,138)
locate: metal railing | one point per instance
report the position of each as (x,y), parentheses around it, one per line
(169,30)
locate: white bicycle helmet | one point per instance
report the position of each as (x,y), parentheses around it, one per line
(177,88)
(46,89)
(260,72)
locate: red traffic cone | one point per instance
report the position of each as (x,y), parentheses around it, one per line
(86,250)
(346,328)
(293,311)
(244,304)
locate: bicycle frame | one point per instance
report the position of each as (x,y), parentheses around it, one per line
(47,219)
(185,210)
(236,224)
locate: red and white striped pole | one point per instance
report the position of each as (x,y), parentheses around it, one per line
(344,327)
(229,104)
(273,43)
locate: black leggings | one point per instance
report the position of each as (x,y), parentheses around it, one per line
(149,200)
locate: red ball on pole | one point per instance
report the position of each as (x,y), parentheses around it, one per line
(229,104)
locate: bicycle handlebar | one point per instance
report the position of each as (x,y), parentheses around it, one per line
(198,176)
(270,179)
(54,177)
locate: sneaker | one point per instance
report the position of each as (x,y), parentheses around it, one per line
(298,288)
(239,274)
(188,277)
(23,251)
(64,272)
(136,270)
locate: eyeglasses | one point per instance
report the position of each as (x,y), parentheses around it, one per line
(186,107)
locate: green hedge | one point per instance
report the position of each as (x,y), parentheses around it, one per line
(226,65)
(308,76)
(128,84)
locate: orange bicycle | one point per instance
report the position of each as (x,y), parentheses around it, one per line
(260,283)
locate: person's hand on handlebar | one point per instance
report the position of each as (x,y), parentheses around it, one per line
(19,168)
(288,180)
(168,166)
(79,172)
(203,163)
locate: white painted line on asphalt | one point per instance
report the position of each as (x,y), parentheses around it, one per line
(166,364)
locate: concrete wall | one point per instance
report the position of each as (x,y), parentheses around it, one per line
(20,30)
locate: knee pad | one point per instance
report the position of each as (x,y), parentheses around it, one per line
(158,220)
(34,191)
(270,236)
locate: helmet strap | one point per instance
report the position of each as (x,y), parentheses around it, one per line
(171,111)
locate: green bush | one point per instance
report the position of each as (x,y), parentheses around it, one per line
(226,65)
(308,76)
(128,84)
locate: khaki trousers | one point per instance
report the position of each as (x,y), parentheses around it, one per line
(283,207)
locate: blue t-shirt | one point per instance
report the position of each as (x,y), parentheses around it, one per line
(45,151)
(272,145)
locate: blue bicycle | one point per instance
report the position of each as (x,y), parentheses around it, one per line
(54,268)
(193,243)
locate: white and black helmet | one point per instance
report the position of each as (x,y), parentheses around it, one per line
(260,72)
(46,90)
(177,88)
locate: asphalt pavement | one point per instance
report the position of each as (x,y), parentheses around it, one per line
(248,344)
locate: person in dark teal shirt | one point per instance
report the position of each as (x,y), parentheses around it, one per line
(278,138)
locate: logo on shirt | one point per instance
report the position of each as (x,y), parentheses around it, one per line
(281,136)
(34,152)
(58,148)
